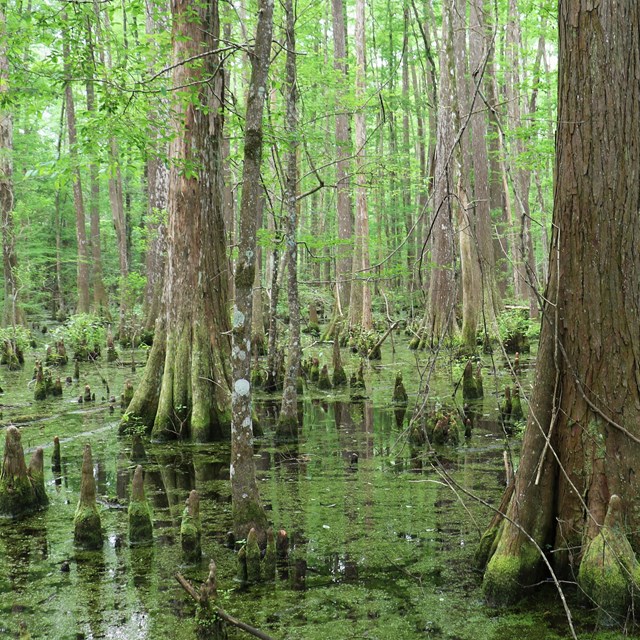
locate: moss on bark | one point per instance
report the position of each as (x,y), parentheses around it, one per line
(87,527)
(18,495)
(507,574)
(609,573)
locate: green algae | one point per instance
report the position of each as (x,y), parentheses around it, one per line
(410,541)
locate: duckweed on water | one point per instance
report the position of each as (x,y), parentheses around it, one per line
(388,546)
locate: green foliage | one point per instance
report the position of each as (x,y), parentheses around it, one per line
(20,336)
(517,330)
(85,334)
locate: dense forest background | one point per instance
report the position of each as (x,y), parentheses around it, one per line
(457,100)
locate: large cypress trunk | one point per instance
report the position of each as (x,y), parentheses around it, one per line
(194,399)
(582,442)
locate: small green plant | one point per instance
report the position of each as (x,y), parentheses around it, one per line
(85,334)
(14,341)
(517,330)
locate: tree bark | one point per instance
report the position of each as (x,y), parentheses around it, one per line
(440,316)
(465,210)
(157,193)
(288,418)
(193,396)
(478,61)
(100,300)
(522,245)
(360,303)
(343,151)
(12,313)
(81,231)
(581,442)
(247,509)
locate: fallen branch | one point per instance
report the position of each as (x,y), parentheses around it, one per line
(204,599)
(384,337)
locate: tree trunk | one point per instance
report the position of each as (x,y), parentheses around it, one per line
(116,200)
(81,232)
(478,60)
(12,313)
(524,274)
(288,419)
(100,299)
(360,303)
(440,316)
(247,509)
(466,212)
(157,194)
(343,151)
(193,398)
(581,442)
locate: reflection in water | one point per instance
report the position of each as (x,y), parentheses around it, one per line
(90,574)
(341,489)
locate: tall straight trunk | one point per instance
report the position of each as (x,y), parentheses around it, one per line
(12,313)
(246,506)
(100,298)
(116,192)
(466,213)
(575,495)
(360,303)
(425,228)
(81,231)
(478,59)
(344,207)
(184,392)
(440,316)
(421,153)
(157,187)
(406,150)
(288,419)
(523,257)
(116,199)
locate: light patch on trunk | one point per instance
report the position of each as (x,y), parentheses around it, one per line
(237,317)
(238,353)
(242,387)
(232,471)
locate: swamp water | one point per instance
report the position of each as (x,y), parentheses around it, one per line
(389,537)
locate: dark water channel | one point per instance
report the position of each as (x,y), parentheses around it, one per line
(389,539)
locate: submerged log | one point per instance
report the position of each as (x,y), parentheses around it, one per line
(212,619)
(87,525)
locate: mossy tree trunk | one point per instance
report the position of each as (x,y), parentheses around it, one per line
(193,396)
(582,440)
(288,419)
(246,505)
